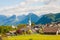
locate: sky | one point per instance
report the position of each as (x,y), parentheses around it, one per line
(20,7)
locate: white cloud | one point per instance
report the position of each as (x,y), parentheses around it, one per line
(22,3)
(52,6)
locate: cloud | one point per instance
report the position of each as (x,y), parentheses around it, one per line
(51,6)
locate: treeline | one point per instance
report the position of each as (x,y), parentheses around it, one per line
(6,29)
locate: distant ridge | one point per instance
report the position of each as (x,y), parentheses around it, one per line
(48,18)
(23,19)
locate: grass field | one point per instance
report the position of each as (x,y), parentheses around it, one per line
(33,37)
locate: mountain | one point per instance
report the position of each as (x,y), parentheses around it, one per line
(22,20)
(15,20)
(9,21)
(21,17)
(48,18)
(57,17)
(2,17)
(34,17)
(44,20)
(25,19)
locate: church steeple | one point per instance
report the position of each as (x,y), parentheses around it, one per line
(29,21)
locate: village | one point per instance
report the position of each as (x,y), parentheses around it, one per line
(49,29)
(29,29)
(52,28)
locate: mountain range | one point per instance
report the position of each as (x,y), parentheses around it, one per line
(49,18)
(24,19)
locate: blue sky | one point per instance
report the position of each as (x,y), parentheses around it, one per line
(9,2)
(4,3)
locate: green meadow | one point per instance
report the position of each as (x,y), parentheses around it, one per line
(33,37)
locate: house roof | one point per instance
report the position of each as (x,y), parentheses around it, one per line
(50,29)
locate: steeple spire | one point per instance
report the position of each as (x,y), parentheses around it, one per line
(29,21)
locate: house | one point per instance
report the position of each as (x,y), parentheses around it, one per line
(51,30)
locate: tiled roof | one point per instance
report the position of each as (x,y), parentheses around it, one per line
(50,29)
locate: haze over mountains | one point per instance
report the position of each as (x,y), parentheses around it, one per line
(23,19)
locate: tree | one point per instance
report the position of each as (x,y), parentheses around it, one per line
(21,26)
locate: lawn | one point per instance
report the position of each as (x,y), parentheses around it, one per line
(33,37)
